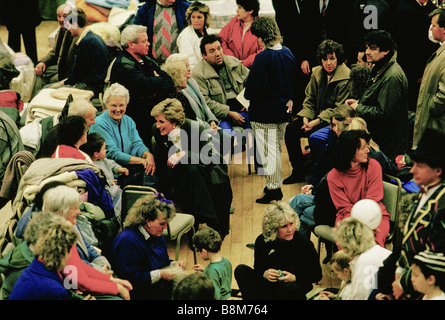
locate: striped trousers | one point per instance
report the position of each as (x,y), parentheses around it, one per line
(269,139)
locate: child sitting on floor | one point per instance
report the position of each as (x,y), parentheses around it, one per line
(208,242)
(340,266)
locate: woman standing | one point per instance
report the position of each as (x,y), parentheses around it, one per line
(198,18)
(356,176)
(286,264)
(237,39)
(270,89)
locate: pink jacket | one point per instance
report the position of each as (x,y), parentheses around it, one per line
(234,45)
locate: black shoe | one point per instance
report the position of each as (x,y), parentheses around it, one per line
(251,246)
(271,195)
(295,178)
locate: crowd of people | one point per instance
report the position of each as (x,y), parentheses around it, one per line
(180,96)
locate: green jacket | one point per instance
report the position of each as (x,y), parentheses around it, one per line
(384,107)
(431,102)
(12,265)
(212,87)
(336,92)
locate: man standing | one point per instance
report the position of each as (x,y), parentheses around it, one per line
(92,57)
(431,102)
(56,65)
(147,83)
(164,19)
(384,104)
(424,226)
(220,79)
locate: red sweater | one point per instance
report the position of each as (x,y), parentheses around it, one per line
(233,43)
(346,188)
(89,280)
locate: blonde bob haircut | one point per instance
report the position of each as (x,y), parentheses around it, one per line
(197,6)
(54,241)
(354,237)
(357,123)
(275,216)
(116,90)
(149,208)
(171,109)
(60,200)
(176,70)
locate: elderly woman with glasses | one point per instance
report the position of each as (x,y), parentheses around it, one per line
(139,253)
(286,263)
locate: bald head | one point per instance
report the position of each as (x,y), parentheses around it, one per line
(62,12)
(83,108)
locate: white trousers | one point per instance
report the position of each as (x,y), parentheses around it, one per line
(269,139)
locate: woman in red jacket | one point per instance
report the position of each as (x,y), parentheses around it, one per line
(237,40)
(356,176)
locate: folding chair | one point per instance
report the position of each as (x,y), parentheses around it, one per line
(392,195)
(181,224)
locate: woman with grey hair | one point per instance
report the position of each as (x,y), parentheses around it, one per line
(190,169)
(124,145)
(139,253)
(357,240)
(286,263)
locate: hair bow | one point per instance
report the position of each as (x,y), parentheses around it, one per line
(161,198)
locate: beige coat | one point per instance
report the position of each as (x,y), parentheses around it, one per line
(431,102)
(212,87)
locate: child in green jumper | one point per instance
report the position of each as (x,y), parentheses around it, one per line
(208,242)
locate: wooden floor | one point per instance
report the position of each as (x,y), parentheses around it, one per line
(245,222)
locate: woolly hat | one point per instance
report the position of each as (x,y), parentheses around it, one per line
(432,260)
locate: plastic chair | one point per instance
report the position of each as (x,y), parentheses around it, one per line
(181,224)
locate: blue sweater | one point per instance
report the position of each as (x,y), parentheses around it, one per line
(270,85)
(133,258)
(122,141)
(39,283)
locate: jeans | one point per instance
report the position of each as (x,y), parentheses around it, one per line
(303,204)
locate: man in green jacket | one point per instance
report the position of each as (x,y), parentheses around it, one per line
(384,104)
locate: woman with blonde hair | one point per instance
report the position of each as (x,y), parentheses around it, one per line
(190,169)
(198,18)
(357,240)
(139,253)
(286,264)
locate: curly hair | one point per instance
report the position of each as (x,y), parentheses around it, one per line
(360,75)
(267,29)
(329,46)
(207,238)
(353,236)
(148,208)
(275,216)
(54,241)
(116,90)
(197,6)
(176,70)
(171,109)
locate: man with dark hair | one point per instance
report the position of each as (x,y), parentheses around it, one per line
(220,79)
(384,104)
(329,87)
(431,101)
(92,56)
(424,226)
(164,19)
